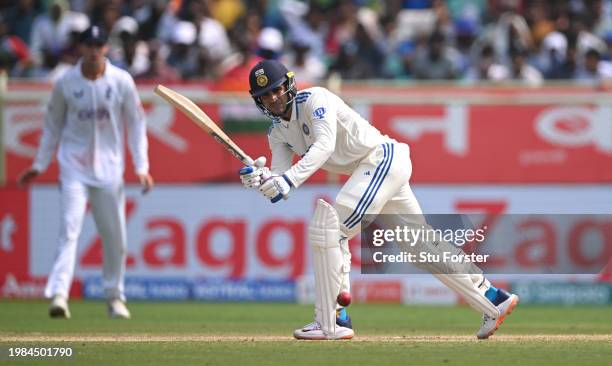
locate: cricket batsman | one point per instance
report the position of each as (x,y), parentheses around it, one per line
(324,132)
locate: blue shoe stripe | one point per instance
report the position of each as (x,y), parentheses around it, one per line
(375,191)
(373,182)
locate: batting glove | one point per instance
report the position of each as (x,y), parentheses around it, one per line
(276,187)
(252,176)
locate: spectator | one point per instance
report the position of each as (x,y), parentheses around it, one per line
(51,35)
(595,70)
(466,32)
(183,55)
(235,69)
(126,51)
(158,67)
(111,12)
(435,62)
(270,43)
(20,18)
(553,50)
(565,70)
(213,42)
(582,26)
(509,31)
(14,53)
(306,23)
(168,21)
(360,57)
(520,70)
(486,67)
(76,24)
(400,63)
(147,14)
(342,29)
(302,62)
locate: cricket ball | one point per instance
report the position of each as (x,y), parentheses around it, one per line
(344,298)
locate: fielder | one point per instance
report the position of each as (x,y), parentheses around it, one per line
(319,127)
(90,107)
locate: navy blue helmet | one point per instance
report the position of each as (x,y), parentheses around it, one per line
(268,75)
(94,35)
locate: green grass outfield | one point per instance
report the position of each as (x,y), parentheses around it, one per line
(260,334)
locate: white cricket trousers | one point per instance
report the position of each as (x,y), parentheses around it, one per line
(379,185)
(108,209)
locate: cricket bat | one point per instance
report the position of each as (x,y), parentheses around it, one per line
(188,108)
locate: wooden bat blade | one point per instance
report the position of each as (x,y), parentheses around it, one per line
(191,110)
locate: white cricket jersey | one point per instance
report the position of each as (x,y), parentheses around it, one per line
(324,132)
(86,117)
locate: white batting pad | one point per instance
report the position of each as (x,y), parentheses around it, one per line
(324,235)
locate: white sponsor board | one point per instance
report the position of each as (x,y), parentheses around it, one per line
(215,231)
(424,289)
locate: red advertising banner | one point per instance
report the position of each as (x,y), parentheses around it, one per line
(226,231)
(456,140)
(503,143)
(14,231)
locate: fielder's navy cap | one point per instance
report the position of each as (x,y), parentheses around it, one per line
(94,35)
(267,75)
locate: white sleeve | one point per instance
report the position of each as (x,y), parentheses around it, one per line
(55,120)
(136,127)
(281,154)
(322,114)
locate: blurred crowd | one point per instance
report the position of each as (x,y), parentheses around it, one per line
(527,41)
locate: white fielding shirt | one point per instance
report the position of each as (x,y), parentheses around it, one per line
(88,118)
(325,132)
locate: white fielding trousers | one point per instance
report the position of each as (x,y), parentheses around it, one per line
(108,209)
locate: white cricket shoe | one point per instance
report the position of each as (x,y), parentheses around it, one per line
(59,307)
(489,324)
(117,309)
(313,332)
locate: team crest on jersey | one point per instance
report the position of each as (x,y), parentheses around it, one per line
(305,129)
(319,112)
(262,80)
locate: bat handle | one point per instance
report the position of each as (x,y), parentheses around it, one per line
(260,162)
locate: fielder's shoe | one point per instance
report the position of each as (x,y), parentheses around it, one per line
(117,309)
(489,324)
(313,332)
(59,307)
